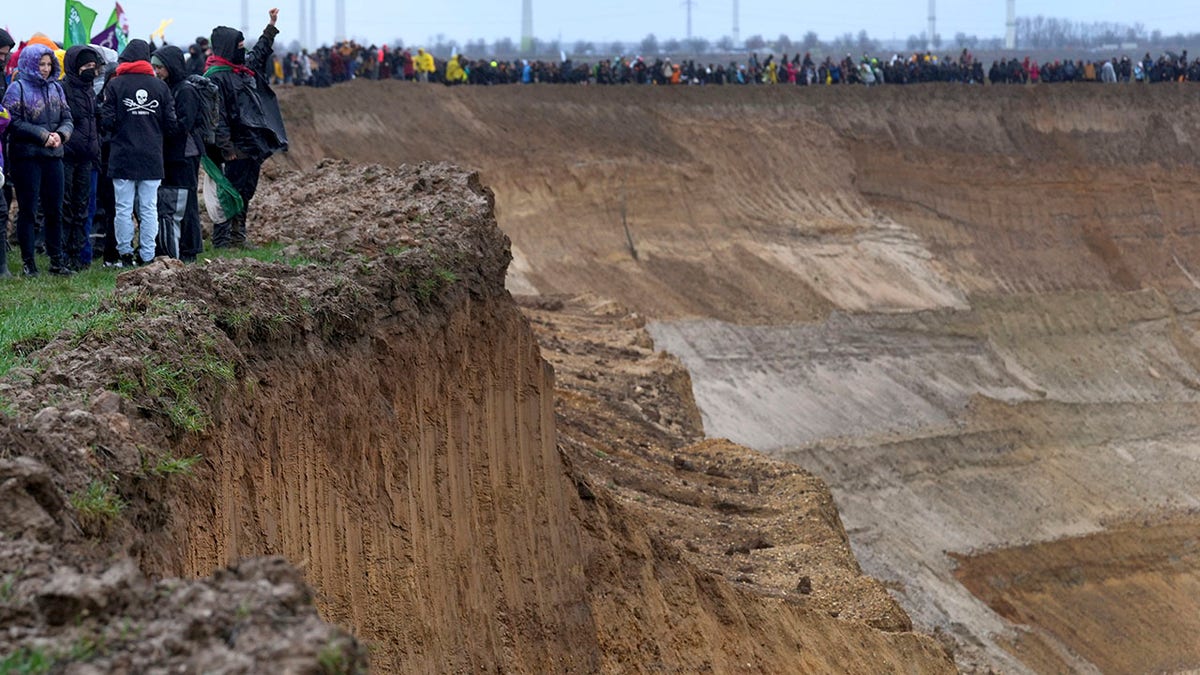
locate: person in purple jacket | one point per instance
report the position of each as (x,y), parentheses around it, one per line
(41,125)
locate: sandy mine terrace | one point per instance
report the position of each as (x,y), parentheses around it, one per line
(972,311)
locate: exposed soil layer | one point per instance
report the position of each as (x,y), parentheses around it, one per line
(973,311)
(1087,592)
(374,409)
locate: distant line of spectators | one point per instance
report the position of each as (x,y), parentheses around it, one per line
(348,60)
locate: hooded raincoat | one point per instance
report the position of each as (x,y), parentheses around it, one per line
(251,109)
(189,142)
(138,111)
(38,107)
(84,145)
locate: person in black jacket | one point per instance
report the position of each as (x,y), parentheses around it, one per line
(179,234)
(81,154)
(252,114)
(138,111)
(197,54)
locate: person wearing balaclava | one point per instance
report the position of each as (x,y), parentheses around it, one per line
(81,154)
(137,112)
(250,111)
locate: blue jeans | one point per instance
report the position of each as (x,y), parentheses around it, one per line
(146,194)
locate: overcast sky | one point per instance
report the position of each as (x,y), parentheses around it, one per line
(416,22)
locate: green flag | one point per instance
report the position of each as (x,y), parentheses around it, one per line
(78,24)
(121,24)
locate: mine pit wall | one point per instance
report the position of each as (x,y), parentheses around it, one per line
(414,478)
(1038,244)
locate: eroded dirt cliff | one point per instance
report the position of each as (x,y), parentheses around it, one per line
(373,408)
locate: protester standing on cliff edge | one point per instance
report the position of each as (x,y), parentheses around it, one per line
(138,112)
(251,112)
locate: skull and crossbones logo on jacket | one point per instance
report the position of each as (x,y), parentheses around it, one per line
(141,106)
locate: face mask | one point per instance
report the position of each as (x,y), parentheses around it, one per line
(240,55)
(88,75)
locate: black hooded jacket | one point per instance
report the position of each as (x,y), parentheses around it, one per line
(189,141)
(84,145)
(250,108)
(137,112)
(195,60)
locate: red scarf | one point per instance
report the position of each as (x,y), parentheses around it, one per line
(136,67)
(215,60)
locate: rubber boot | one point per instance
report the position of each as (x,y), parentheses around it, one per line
(171,203)
(221,234)
(239,230)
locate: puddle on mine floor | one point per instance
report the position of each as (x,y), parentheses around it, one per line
(1124,600)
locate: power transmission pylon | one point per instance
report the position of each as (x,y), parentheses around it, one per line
(1010,34)
(526,26)
(932,25)
(303,24)
(737,30)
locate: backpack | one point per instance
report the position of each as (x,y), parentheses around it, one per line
(210,107)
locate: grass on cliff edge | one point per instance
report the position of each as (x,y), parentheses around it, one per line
(34,311)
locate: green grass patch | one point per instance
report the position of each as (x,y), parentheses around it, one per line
(333,659)
(7,407)
(426,288)
(88,647)
(98,505)
(6,587)
(36,310)
(26,661)
(268,253)
(175,466)
(175,388)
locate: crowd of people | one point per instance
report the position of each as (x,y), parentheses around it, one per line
(348,60)
(110,148)
(99,146)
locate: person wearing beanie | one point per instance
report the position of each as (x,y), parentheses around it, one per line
(81,154)
(250,111)
(179,233)
(137,112)
(40,125)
